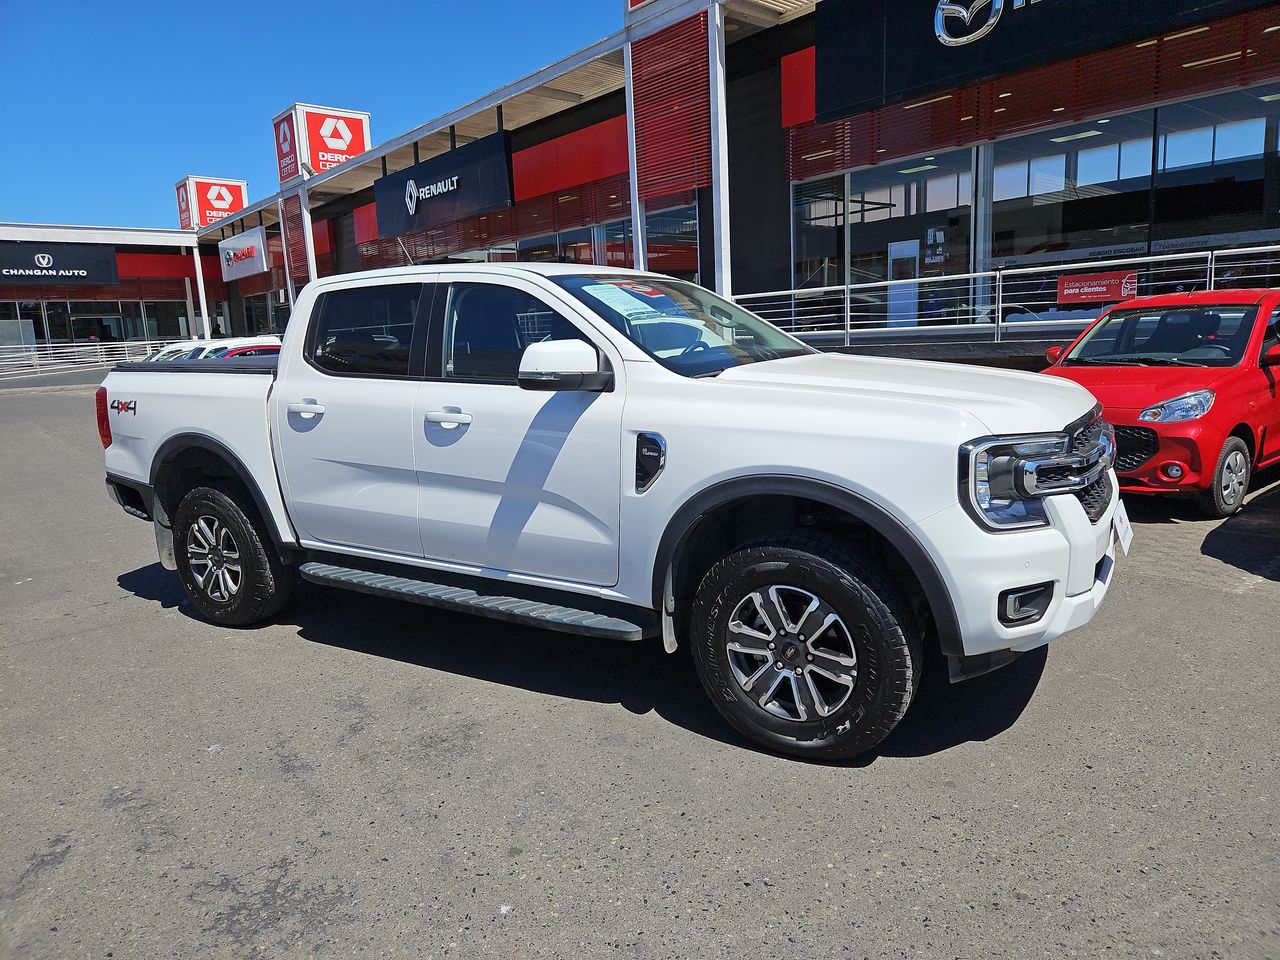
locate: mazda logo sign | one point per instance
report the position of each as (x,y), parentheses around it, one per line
(968,12)
(44,261)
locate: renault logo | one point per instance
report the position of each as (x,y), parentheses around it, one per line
(44,261)
(969,12)
(411,196)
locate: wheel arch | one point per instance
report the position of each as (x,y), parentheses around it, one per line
(192,451)
(1246,433)
(685,524)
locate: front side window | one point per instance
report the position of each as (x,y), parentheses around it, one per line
(1195,335)
(487,327)
(366,330)
(685,328)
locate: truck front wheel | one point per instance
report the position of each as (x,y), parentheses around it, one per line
(805,648)
(225,559)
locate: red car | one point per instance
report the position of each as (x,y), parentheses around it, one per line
(1190,382)
(252,350)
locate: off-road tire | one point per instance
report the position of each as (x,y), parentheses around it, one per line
(1217,502)
(266,583)
(884,633)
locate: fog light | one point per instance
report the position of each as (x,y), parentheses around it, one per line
(1173,471)
(1025,604)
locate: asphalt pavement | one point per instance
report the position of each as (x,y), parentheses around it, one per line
(369,778)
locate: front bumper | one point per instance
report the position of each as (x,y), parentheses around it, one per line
(1076,556)
(1194,446)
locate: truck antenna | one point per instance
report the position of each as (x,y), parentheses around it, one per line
(406,252)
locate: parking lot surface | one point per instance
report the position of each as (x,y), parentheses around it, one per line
(370,778)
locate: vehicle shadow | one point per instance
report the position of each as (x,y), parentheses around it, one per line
(1183,509)
(1248,541)
(640,677)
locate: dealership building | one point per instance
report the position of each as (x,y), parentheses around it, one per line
(861,171)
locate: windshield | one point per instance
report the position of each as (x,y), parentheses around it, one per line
(685,328)
(1193,335)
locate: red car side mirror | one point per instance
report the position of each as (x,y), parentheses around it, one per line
(1054,353)
(1271,356)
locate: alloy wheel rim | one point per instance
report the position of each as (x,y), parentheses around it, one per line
(214,559)
(791,653)
(1235,478)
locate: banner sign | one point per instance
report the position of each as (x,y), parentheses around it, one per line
(318,137)
(872,53)
(1097,288)
(244,254)
(473,179)
(203,201)
(33,262)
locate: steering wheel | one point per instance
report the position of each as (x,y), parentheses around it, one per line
(694,348)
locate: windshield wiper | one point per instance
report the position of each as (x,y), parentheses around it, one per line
(1109,361)
(1174,362)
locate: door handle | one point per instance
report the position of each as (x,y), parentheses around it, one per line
(449,419)
(306,407)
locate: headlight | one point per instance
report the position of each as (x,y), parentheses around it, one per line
(995,474)
(1192,406)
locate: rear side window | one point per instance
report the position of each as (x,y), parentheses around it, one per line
(366,330)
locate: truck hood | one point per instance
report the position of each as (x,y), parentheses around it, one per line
(1005,401)
(1136,388)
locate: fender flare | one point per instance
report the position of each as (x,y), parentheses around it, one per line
(687,517)
(179,443)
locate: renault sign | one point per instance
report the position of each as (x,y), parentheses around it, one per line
(473,179)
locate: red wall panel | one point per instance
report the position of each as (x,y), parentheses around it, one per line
(366,223)
(671,90)
(799,87)
(589,154)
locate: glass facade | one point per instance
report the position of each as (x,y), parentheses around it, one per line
(1197,175)
(93,321)
(672,242)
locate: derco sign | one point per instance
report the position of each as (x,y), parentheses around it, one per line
(318,137)
(57,263)
(205,200)
(874,53)
(473,179)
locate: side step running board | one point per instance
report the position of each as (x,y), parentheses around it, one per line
(531,613)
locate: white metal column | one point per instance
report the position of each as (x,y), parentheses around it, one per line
(719,151)
(204,303)
(639,245)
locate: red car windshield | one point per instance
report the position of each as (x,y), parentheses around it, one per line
(1190,335)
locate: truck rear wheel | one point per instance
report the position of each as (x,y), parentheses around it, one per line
(805,648)
(225,559)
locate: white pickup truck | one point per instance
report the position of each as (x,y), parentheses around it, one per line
(622,455)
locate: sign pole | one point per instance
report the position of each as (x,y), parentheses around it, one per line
(204,308)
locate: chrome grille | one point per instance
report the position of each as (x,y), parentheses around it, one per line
(1093,440)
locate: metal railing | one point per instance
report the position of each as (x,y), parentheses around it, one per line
(1010,303)
(31,359)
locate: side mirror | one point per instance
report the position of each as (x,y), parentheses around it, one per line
(563,365)
(1271,356)
(1054,353)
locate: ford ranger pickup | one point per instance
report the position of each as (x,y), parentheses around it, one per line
(621,455)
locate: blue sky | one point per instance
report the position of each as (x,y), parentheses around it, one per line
(107,105)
